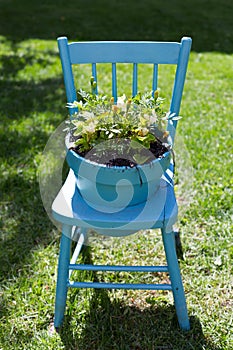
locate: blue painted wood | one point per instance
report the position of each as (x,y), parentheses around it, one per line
(135,79)
(179,83)
(118,268)
(160,211)
(176,281)
(124,52)
(127,52)
(67,72)
(69,207)
(155,79)
(104,285)
(63,274)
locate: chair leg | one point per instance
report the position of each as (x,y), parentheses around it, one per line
(62,276)
(176,281)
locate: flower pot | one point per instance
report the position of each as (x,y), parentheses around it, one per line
(116,187)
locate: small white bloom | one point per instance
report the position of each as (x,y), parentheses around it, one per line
(143,132)
(153,117)
(75,104)
(121,100)
(90,127)
(150,118)
(121,103)
(89,115)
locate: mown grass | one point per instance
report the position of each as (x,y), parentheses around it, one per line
(32,101)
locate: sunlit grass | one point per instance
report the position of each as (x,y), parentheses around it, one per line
(32,106)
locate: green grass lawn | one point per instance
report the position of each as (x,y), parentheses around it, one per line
(32,106)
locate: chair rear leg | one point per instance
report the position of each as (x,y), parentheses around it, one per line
(62,276)
(176,281)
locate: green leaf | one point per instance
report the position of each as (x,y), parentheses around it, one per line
(140,159)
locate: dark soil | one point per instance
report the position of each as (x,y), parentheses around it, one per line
(114,157)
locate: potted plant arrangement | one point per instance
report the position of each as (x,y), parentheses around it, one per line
(118,149)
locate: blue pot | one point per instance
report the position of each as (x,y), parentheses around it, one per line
(116,187)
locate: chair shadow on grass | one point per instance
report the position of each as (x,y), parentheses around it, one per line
(112,323)
(209,26)
(24,224)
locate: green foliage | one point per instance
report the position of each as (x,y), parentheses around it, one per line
(138,120)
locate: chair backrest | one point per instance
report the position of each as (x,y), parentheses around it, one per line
(135,52)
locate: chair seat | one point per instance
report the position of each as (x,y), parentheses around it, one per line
(159,211)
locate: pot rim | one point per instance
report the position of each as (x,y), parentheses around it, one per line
(139,166)
(119,168)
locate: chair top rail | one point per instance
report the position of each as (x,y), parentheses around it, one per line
(124,52)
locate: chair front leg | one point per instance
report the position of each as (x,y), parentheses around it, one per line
(62,276)
(176,281)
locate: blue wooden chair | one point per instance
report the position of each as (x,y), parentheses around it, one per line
(74,213)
